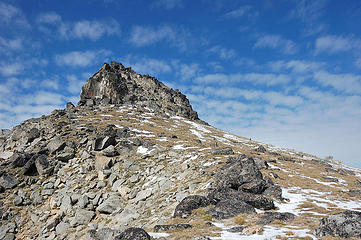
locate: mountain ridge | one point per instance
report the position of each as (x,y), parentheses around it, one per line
(108,170)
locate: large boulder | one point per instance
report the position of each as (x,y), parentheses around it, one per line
(133,234)
(269,217)
(33,134)
(185,207)
(256,200)
(346,225)
(102,142)
(8,181)
(56,145)
(18,159)
(241,173)
(110,205)
(230,208)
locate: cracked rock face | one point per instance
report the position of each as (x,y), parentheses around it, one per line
(115,84)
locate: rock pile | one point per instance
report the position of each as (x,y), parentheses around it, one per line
(115,84)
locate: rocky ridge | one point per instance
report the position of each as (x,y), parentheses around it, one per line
(121,170)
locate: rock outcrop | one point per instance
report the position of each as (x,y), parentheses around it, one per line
(115,84)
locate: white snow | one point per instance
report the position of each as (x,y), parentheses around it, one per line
(144,150)
(198,134)
(198,126)
(269,232)
(106,115)
(158,235)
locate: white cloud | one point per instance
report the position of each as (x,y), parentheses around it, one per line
(255,78)
(50,83)
(49,17)
(276,42)
(142,36)
(240,12)
(11,69)
(84,29)
(74,84)
(81,59)
(167,4)
(187,71)
(12,16)
(144,65)
(358,63)
(94,30)
(335,44)
(9,45)
(295,66)
(348,83)
(222,52)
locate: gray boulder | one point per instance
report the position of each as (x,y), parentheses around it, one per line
(33,134)
(56,145)
(42,164)
(133,234)
(230,208)
(241,173)
(346,225)
(185,207)
(171,227)
(269,217)
(8,181)
(110,205)
(18,159)
(222,151)
(103,142)
(103,234)
(82,217)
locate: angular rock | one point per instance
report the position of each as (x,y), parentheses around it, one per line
(110,205)
(18,200)
(346,225)
(261,149)
(185,207)
(61,228)
(55,145)
(241,173)
(42,164)
(269,217)
(29,168)
(133,234)
(18,159)
(103,234)
(8,181)
(33,134)
(230,208)
(103,142)
(82,217)
(256,200)
(171,227)
(110,151)
(222,151)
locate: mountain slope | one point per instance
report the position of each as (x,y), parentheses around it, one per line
(93,171)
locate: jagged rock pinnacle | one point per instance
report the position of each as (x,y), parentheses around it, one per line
(115,84)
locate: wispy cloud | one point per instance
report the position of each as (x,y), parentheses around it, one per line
(84,29)
(276,42)
(335,44)
(222,52)
(7,46)
(295,66)
(167,4)
(146,65)
(81,59)
(142,36)
(348,83)
(241,11)
(11,69)
(12,16)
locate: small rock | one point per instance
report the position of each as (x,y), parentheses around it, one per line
(61,228)
(82,217)
(55,145)
(112,204)
(133,234)
(230,208)
(171,227)
(222,151)
(8,181)
(18,200)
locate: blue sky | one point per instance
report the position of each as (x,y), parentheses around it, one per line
(279,71)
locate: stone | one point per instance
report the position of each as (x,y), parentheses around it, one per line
(345,225)
(237,229)
(66,155)
(18,159)
(241,173)
(269,217)
(55,145)
(187,205)
(230,208)
(35,197)
(110,151)
(53,221)
(103,142)
(133,234)
(134,179)
(8,181)
(261,164)
(82,217)
(66,203)
(33,134)
(143,195)
(171,227)
(222,151)
(18,200)
(29,168)
(255,200)
(127,216)
(41,164)
(103,234)
(261,149)
(110,205)
(120,85)
(61,228)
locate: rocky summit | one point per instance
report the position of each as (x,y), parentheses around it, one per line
(133,161)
